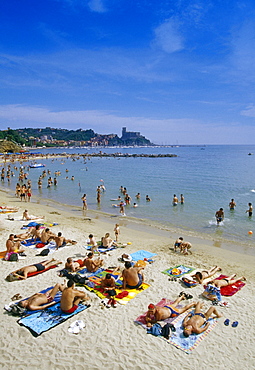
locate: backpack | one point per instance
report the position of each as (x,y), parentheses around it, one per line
(13,257)
(212,293)
(44,252)
(156,330)
(167,330)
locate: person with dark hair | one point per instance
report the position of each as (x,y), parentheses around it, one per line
(219,216)
(158,313)
(178,243)
(205,274)
(72,265)
(197,322)
(40,301)
(71,298)
(109,285)
(47,235)
(250,209)
(219,283)
(91,264)
(13,246)
(23,272)
(61,241)
(132,276)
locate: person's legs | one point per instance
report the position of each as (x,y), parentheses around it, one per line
(212,310)
(187,307)
(233,281)
(56,288)
(177,301)
(198,307)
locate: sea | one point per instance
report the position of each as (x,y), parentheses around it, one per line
(208,177)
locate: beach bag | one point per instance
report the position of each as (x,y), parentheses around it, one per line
(212,293)
(189,283)
(13,257)
(112,292)
(156,330)
(40,245)
(17,310)
(166,331)
(44,252)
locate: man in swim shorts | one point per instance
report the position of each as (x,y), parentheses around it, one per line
(91,264)
(232,204)
(40,301)
(12,246)
(205,274)
(178,243)
(197,322)
(71,298)
(73,265)
(175,200)
(61,241)
(219,216)
(226,281)
(132,276)
(250,209)
(23,272)
(158,313)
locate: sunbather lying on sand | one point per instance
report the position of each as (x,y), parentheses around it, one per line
(157,313)
(23,272)
(194,322)
(28,217)
(40,301)
(226,281)
(205,274)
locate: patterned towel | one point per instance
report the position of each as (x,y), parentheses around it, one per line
(178,271)
(41,321)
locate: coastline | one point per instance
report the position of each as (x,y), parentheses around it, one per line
(111,339)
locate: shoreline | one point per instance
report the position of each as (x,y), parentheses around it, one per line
(145,225)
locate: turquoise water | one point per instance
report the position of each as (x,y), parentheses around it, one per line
(207,176)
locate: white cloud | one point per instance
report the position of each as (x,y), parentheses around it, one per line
(97,6)
(168,37)
(249,111)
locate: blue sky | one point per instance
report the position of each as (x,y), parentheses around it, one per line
(178,71)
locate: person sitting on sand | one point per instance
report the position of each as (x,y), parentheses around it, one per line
(36,232)
(91,264)
(205,274)
(73,265)
(226,281)
(178,243)
(23,272)
(93,244)
(71,297)
(158,313)
(107,242)
(13,246)
(61,241)
(28,217)
(185,248)
(132,276)
(47,235)
(40,301)
(197,322)
(109,285)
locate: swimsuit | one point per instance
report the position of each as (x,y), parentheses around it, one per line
(49,297)
(71,310)
(39,266)
(138,284)
(173,312)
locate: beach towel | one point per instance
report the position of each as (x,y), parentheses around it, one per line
(100,249)
(30,242)
(141,255)
(123,297)
(178,271)
(177,338)
(164,302)
(230,289)
(2,254)
(30,274)
(44,320)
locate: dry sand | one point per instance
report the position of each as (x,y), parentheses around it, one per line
(111,340)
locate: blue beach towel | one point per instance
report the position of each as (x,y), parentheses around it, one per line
(140,255)
(100,249)
(41,321)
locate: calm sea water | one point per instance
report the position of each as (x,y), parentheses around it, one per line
(208,177)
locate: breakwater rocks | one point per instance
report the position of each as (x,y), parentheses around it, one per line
(127,155)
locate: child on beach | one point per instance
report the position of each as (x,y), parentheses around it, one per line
(117,232)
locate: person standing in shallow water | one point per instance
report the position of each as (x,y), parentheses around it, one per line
(182,199)
(219,216)
(250,209)
(232,204)
(84,201)
(175,200)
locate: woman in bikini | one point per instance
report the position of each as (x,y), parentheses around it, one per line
(226,281)
(205,274)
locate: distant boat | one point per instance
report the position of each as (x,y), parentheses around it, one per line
(37,165)
(250,153)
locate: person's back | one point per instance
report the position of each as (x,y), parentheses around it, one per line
(67,298)
(132,278)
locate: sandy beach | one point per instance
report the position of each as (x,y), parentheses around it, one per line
(111,340)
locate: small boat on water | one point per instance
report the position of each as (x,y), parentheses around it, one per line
(37,165)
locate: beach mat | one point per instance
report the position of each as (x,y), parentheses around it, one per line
(44,320)
(141,255)
(232,289)
(177,338)
(100,249)
(123,297)
(164,302)
(2,254)
(178,271)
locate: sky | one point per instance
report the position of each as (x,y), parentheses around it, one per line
(178,71)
